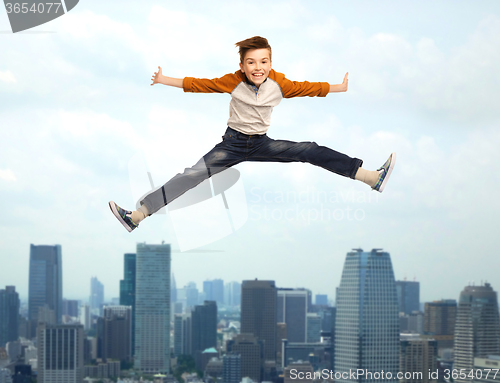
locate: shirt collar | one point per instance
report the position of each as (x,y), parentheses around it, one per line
(252,85)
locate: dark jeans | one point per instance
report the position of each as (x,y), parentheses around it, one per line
(237,147)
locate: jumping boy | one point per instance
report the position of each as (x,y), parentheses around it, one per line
(255,89)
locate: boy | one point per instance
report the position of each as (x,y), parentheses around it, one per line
(255,89)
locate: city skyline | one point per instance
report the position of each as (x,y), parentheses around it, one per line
(423,84)
(85,299)
(366,335)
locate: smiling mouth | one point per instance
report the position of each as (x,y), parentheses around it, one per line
(258,75)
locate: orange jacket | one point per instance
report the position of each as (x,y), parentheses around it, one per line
(250,108)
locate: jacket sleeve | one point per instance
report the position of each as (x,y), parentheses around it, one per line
(225,84)
(300,89)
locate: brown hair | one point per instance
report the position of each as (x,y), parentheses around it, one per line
(255,42)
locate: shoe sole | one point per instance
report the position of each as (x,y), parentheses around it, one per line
(389,171)
(112,206)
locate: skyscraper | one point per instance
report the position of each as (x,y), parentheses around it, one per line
(180,332)
(477,331)
(152,316)
(9,315)
(173,290)
(114,332)
(96,295)
(439,321)
(232,294)
(214,291)
(258,313)
(60,353)
(127,288)
(45,281)
(204,329)
(367,319)
(218,291)
(408,296)
(293,306)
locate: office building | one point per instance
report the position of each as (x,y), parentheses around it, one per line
(9,315)
(439,321)
(85,317)
(60,353)
(178,323)
(408,296)
(293,306)
(313,325)
(214,291)
(232,294)
(321,300)
(367,318)
(251,350)
(186,334)
(417,357)
(152,316)
(70,308)
(231,368)
(5,375)
(477,330)
(127,288)
(258,313)
(203,330)
(103,370)
(45,282)
(213,370)
(182,334)
(173,290)
(299,372)
(487,370)
(188,296)
(114,333)
(96,299)
(411,323)
(318,353)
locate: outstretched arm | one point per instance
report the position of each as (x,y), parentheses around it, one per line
(159,78)
(340,87)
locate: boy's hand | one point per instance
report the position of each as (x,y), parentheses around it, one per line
(156,77)
(344,83)
(340,87)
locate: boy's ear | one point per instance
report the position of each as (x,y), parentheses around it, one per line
(241,67)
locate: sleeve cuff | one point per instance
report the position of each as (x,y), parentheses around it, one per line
(325,89)
(187,83)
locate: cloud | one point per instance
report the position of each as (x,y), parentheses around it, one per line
(7,175)
(8,77)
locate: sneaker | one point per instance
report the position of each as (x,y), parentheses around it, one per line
(124,216)
(384,173)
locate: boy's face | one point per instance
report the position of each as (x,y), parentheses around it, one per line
(256,65)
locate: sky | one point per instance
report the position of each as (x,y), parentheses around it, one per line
(77,111)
